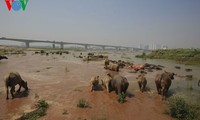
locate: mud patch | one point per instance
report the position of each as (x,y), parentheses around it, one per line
(62,87)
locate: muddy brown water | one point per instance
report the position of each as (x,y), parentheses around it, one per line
(63,80)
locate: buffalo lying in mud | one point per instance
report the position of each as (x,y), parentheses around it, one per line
(114,65)
(177,67)
(121,63)
(3,57)
(146,66)
(90,54)
(93,57)
(188,69)
(163,82)
(12,79)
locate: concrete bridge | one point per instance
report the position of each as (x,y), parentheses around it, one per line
(27,43)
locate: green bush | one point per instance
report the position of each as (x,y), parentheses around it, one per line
(121,97)
(185,56)
(41,106)
(82,103)
(179,108)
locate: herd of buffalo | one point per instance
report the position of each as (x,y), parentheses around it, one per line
(120,83)
(110,82)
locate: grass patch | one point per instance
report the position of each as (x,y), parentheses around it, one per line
(183,110)
(82,103)
(121,97)
(41,107)
(42,104)
(12,51)
(103,52)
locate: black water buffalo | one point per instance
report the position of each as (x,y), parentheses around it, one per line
(119,84)
(3,57)
(12,79)
(163,82)
(142,82)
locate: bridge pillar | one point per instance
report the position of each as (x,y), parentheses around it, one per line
(61,45)
(27,44)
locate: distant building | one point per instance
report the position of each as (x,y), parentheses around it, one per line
(146,47)
(158,46)
(152,46)
(164,47)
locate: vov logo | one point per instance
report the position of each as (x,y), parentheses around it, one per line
(16,5)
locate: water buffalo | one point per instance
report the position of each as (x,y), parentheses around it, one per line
(142,82)
(163,82)
(119,84)
(106,63)
(114,67)
(94,82)
(106,82)
(90,54)
(3,57)
(12,79)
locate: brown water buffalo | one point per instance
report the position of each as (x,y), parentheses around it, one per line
(106,82)
(114,67)
(106,63)
(163,82)
(90,54)
(119,84)
(142,82)
(12,79)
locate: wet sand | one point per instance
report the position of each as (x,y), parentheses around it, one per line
(48,79)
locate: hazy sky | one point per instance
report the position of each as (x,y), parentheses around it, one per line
(175,23)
